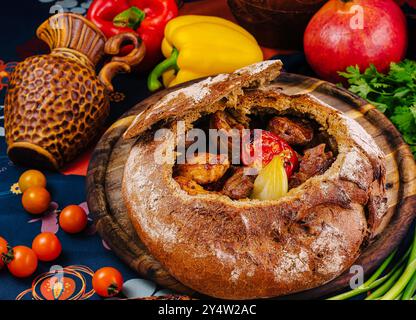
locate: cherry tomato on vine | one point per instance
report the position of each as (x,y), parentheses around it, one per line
(36,200)
(23,262)
(31,178)
(4,249)
(73,219)
(47,246)
(107,282)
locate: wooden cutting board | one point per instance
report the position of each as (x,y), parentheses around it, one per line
(107,164)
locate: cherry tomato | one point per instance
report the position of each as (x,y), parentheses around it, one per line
(107,282)
(31,178)
(73,219)
(47,246)
(23,262)
(36,200)
(3,251)
(262,146)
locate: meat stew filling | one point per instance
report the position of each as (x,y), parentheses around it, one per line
(300,143)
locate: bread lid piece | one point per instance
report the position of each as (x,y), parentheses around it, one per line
(193,99)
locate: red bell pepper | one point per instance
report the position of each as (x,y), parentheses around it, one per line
(146,18)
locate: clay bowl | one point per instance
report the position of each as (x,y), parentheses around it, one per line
(276,23)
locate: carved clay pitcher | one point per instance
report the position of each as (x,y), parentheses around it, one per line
(56,105)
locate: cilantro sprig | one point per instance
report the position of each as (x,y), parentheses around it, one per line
(393,93)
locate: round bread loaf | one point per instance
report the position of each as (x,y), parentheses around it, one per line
(254,249)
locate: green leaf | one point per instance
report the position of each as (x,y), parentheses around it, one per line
(352,74)
(382,107)
(371,72)
(393,94)
(413,111)
(403,119)
(402,72)
(361,88)
(400,93)
(381,85)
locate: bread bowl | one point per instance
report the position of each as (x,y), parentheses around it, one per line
(249,248)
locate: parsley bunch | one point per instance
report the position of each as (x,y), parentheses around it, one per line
(394,94)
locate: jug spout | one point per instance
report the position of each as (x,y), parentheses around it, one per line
(74,32)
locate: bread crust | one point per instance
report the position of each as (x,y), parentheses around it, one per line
(257,249)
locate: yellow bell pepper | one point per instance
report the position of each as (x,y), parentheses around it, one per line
(201,46)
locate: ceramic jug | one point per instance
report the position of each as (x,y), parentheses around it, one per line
(56,104)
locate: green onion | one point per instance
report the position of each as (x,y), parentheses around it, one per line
(369,284)
(386,286)
(410,289)
(406,277)
(398,284)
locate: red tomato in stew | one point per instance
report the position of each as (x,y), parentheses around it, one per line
(262,146)
(107,282)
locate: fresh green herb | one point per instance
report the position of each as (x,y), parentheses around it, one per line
(394,94)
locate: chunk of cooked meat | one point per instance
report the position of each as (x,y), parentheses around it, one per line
(224,122)
(190,186)
(204,168)
(239,185)
(314,162)
(294,132)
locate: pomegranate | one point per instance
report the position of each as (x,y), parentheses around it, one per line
(355,32)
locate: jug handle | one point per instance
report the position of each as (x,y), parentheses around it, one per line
(121,64)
